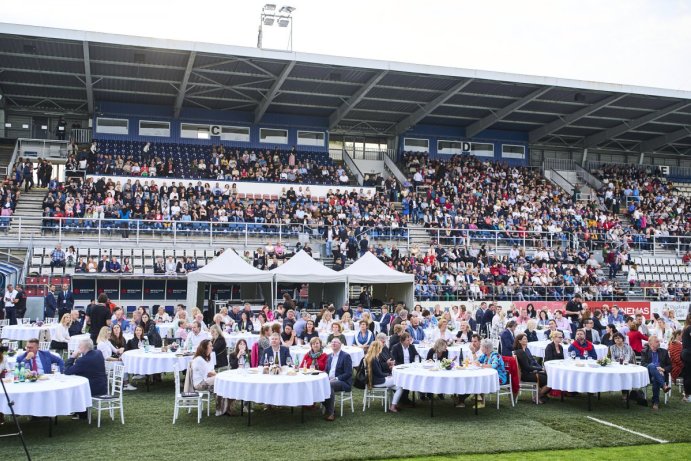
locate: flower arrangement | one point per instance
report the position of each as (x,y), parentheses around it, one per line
(31,376)
(446,364)
(604,362)
(39,323)
(450,326)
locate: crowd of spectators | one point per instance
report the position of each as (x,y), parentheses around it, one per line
(216,162)
(651,202)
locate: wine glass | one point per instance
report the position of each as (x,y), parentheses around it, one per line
(573,355)
(626,360)
(271,360)
(289,362)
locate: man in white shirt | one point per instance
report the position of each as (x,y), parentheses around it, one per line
(9,301)
(196,336)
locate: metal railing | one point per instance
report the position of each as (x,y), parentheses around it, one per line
(557,164)
(674,171)
(18,229)
(360,154)
(81,135)
(437,292)
(350,164)
(588,178)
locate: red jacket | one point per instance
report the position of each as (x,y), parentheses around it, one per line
(321,362)
(636,340)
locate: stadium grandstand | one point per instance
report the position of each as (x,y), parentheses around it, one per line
(486,186)
(200,189)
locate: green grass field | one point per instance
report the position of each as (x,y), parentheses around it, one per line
(540,430)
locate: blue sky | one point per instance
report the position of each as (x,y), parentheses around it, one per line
(638,42)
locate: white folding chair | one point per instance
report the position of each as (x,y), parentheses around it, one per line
(526,386)
(667,394)
(4,322)
(189,400)
(205,395)
(24,321)
(112,401)
(505,389)
(345,397)
(44,345)
(375,393)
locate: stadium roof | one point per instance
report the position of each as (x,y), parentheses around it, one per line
(67,70)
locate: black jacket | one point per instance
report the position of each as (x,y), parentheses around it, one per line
(662,356)
(92,366)
(532,335)
(397,353)
(220,349)
(527,363)
(551,353)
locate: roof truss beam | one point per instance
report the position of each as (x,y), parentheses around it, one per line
(88,81)
(491,119)
(183,84)
(347,106)
(273,92)
(598,138)
(428,108)
(669,138)
(566,120)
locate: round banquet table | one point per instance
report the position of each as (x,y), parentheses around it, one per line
(138,362)
(537,348)
(167,329)
(435,381)
(232,338)
(27,332)
(280,390)
(356,354)
(589,377)
(57,395)
(349,336)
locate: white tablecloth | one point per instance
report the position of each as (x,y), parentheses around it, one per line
(537,348)
(280,390)
(59,395)
(27,332)
(232,338)
(139,362)
(564,375)
(436,381)
(541,334)
(349,336)
(167,329)
(356,354)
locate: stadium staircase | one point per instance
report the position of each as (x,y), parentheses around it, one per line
(30,209)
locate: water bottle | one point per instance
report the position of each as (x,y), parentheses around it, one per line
(22,373)
(146,344)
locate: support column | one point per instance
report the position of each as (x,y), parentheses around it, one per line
(640,159)
(585,157)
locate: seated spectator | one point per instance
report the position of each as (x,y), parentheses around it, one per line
(196,336)
(554,350)
(39,361)
(240,357)
(657,361)
(378,373)
(57,257)
(219,347)
(364,337)
(90,364)
(336,332)
(531,371)
(62,335)
(308,333)
(491,359)
(204,376)
(275,353)
(582,347)
(339,366)
(315,358)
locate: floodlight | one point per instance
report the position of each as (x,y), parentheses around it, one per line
(268,20)
(287,9)
(283,22)
(270,7)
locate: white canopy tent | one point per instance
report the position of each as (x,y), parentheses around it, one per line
(229,267)
(385,282)
(325,285)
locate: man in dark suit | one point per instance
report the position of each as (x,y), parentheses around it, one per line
(77,323)
(103,264)
(90,364)
(656,360)
(339,366)
(276,352)
(507,338)
(65,301)
(480,313)
(384,319)
(486,322)
(40,361)
(404,352)
(50,304)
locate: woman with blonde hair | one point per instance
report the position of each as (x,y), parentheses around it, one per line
(326,321)
(531,331)
(346,322)
(62,334)
(443,333)
(378,376)
(105,347)
(439,350)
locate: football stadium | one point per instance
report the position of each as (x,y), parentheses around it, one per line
(214,251)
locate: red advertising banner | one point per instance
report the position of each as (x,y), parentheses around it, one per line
(629,307)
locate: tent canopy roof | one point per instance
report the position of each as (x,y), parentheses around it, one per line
(229,267)
(302,268)
(369,269)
